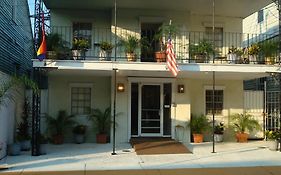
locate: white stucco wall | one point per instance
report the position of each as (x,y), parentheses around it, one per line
(268,26)
(10,113)
(60,98)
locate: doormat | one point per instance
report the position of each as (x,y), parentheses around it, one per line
(148,146)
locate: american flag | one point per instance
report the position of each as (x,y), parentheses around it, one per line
(171,58)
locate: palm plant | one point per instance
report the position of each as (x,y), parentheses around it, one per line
(102,121)
(198,124)
(10,88)
(57,126)
(243,122)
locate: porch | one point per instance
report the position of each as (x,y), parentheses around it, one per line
(87,157)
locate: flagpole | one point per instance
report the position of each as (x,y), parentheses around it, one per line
(213,94)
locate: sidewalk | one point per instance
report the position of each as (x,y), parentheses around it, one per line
(86,158)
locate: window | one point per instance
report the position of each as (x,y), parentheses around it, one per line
(260,16)
(218,37)
(80,100)
(83,30)
(218,101)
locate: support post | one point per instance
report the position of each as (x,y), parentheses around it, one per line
(214,82)
(114,114)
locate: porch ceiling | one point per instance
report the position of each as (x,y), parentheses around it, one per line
(234,8)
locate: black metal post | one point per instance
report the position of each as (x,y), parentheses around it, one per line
(114,113)
(115,30)
(214,82)
(279,110)
(35,149)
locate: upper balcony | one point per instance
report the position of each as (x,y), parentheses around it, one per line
(189,47)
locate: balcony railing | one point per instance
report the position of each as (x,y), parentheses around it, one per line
(230,48)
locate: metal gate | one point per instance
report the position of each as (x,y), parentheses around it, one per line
(272,121)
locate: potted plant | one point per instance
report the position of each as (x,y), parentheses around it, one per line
(198,125)
(57,126)
(43,139)
(23,128)
(235,55)
(218,132)
(253,51)
(164,31)
(269,51)
(79,133)
(272,137)
(201,52)
(56,47)
(106,50)
(242,123)
(102,121)
(130,44)
(79,48)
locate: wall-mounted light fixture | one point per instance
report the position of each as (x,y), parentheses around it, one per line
(180,88)
(120,87)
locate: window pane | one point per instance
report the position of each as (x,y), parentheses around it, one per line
(218,102)
(80,100)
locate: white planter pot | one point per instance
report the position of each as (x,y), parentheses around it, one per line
(79,54)
(232,58)
(272,145)
(218,137)
(252,59)
(105,55)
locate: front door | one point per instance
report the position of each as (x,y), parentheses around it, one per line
(151,113)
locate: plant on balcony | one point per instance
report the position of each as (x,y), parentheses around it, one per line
(57,126)
(269,51)
(56,47)
(106,50)
(201,52)
(242,123)
(164,32)
(198,125)
(235,55)
(131,43)
(253,52)
(79,48)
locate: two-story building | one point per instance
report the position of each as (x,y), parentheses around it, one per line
(153,101)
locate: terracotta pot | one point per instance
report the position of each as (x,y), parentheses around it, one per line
(131,56)
(242,137)
(101,138)
(58,139)
(269,60)
(197,138)
(160,56)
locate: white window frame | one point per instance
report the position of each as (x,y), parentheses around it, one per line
(80,85)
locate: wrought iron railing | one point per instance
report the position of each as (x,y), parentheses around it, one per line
(230,48)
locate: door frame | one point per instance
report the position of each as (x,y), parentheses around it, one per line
(140,111)
(153,81)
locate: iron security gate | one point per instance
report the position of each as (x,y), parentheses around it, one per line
(272,121)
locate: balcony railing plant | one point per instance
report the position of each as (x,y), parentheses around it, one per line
(189,46)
